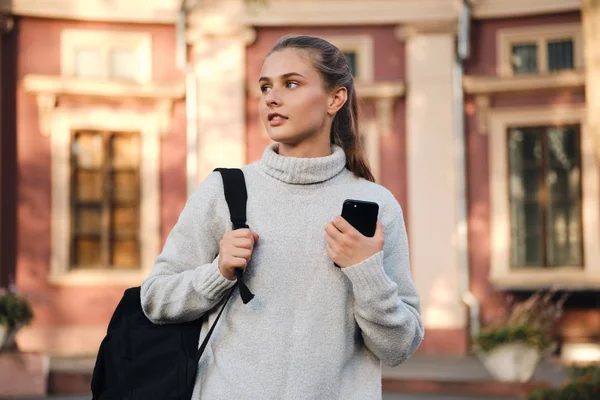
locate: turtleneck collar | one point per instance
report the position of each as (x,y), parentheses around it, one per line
(302,171)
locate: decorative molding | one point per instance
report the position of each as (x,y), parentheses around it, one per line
(330,12)
(46,103)
(150,11)
(521,83)
(49,88)
(513,8)
(406,31)
(284,13)
(540,35)
(199,31)
(501,273)
(72,86)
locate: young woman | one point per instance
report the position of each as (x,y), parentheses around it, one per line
(313,331)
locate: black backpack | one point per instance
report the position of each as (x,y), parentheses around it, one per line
(141,360)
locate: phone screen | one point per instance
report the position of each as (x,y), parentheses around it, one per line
(362,215)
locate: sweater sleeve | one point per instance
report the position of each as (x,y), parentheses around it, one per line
(387,305)
(186,281)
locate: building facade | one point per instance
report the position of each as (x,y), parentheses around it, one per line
(478,116)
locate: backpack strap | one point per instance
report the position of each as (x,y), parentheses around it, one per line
(236,197)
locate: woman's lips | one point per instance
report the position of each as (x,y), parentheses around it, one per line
(277,120)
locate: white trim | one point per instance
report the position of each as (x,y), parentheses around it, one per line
(105,41)
(64,122)
(149,11)
(282,13)
(541,35)
(512,8)
(501,273)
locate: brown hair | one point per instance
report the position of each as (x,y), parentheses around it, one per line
(334,68)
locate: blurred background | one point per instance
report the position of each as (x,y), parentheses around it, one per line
(482,117)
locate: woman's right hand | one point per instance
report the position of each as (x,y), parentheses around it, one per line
(235,251)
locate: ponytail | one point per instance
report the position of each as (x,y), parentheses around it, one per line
(345,133)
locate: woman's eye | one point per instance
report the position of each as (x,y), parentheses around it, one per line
(264,89)
(291,85)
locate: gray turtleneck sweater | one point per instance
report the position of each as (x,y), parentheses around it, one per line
(313,331)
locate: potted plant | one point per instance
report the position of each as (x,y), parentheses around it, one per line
(15,313)
(512,349)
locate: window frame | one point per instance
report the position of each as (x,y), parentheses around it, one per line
(501,272)
(105,41)
(540,35)
(65,121)
(544,198)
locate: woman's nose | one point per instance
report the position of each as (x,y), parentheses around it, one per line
(272,98)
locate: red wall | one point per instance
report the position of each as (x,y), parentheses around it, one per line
(39,45)
(388,65)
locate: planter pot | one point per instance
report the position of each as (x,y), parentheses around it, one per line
(511,362)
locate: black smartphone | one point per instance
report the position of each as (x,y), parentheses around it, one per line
(362,215)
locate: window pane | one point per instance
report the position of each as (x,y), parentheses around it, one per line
(125,151)
(560,55)
(125,187)
(352,59)
(88,186)
(88,220)
(124,64)
(524,58)
(87,150)
(125,254)
(125,221)
(88,63)
(87,252)
(564,204)
(525,178)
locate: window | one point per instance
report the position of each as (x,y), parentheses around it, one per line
(541,49)
(545,196)
(106,55)
(544,199)
(105,200)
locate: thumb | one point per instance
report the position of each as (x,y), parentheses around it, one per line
(255,235)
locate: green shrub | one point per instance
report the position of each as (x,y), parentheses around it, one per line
(530,322)
(14,310)
(583,384)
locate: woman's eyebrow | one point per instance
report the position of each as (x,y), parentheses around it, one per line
(284,76)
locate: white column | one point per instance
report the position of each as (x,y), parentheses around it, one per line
(220,67)
(431,172)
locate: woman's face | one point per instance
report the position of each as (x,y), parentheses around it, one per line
(293,104)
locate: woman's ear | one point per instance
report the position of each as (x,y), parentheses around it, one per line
(337,100)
